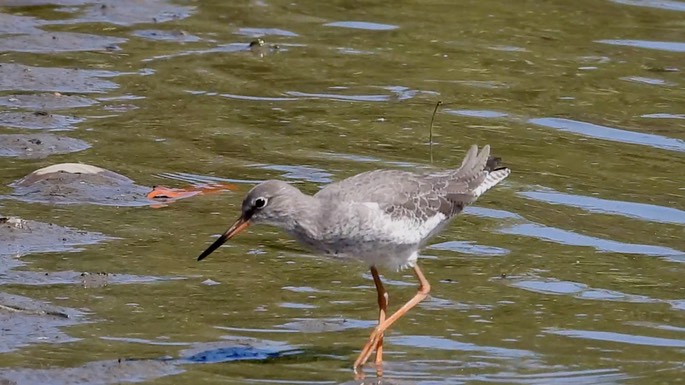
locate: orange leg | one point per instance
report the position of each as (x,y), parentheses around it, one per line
(377,334)
(382,311)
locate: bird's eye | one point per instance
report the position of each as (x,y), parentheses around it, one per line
(260,203)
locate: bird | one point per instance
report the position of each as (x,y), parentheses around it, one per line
(381,218)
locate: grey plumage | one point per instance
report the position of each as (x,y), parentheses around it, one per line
(381,216)
(405,194)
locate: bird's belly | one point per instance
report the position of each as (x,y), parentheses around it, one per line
(371,236)
(373,252)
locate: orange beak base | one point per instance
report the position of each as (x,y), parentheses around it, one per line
(239,225)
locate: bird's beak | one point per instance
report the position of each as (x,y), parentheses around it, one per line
(239,225)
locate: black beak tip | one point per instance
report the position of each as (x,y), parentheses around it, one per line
(222,239)
(207,252)
(239,225)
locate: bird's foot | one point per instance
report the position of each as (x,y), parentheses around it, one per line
(373,342)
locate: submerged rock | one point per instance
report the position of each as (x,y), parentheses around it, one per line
(77,183)
(27,321)
(72,183)
(46,101)
(38,146)
(21,236)
(49,42)
(19,77)
(38,120)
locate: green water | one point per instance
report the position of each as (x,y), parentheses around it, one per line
(593,288)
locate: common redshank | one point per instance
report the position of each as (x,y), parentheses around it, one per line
(380,217)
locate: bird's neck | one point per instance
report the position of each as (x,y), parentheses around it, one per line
(304,217)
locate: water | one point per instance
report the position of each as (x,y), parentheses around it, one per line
(569,272)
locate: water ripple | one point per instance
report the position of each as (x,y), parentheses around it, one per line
(259,32)
(162,35)
(579,290)
(223,48)
(433,342)
(362,25)
(574,377)
(642,211)
(353,98)
(571,238)
(613,134)
(309,174)
(469,247)
(477,113)
(631,339)
(671,46)
(257,98)
(646,80)
(491,213)
(661,4)
(663,116)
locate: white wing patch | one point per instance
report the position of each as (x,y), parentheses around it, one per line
(490,181)
(405,231)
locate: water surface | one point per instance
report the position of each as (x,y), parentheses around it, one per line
(569,272)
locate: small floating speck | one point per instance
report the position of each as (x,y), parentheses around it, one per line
(210,282)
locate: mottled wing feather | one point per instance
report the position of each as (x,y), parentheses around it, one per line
(404,194)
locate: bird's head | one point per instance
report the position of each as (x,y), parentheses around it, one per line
(269,202)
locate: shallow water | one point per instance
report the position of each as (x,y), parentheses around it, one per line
(568,272)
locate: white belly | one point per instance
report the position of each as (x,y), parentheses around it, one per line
(372,236)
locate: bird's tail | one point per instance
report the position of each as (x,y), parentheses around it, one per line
(480,171)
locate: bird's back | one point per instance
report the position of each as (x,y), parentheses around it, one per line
(409,195)
(383,217)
